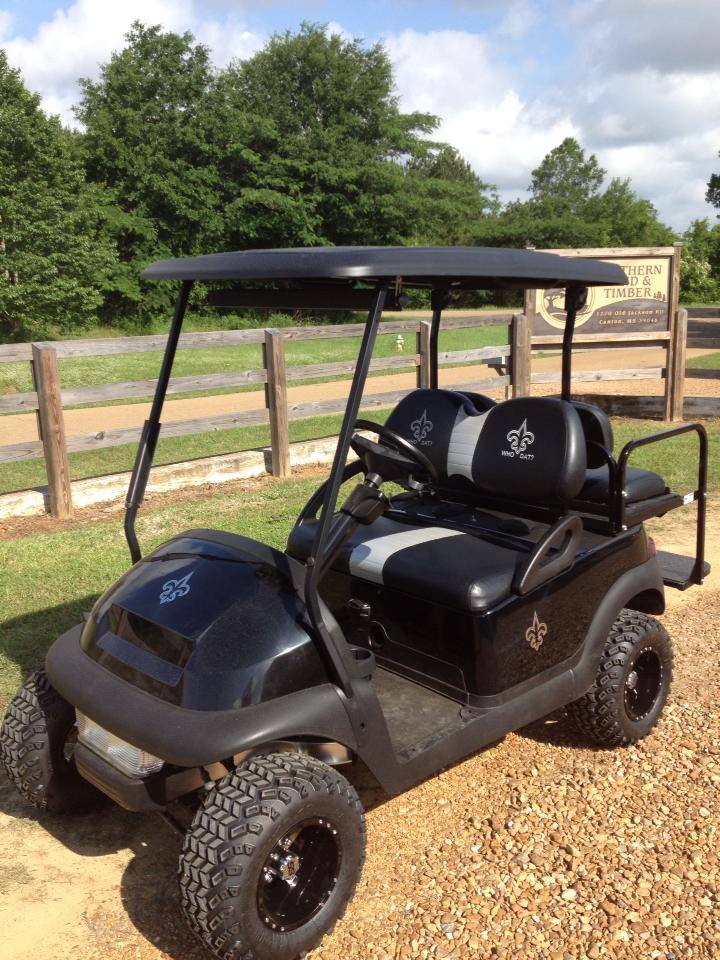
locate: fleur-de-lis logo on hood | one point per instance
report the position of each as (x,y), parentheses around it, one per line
(172,589)
(521,438)
(421,427)
(536,633)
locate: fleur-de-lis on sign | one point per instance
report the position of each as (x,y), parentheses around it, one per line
(421,427)
(536,633)
(521,438)
(172,589)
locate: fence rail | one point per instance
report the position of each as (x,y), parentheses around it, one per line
(511,363)
(274,375)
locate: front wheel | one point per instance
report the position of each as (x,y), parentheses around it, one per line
(37,741)
(631,685)
(272,858)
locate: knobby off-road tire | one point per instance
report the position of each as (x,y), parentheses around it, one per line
(631,685)
(36,749)
(237,858)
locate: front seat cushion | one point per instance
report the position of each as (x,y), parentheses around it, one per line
(453,567)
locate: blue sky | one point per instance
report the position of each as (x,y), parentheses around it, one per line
(636,81)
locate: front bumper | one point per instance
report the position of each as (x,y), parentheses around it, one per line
(132,794)
(190,738)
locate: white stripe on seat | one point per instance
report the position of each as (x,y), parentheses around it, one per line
(368,559)
(463,440)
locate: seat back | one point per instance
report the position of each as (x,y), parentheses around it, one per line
(530,449)
(430,419)
(597,429)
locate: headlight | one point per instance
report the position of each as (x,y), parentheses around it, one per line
(121,755)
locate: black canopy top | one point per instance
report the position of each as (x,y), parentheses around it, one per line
(469,267)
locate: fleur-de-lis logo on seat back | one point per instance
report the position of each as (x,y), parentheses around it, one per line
(172,589)
(536,633)
(421,427)
(521,438)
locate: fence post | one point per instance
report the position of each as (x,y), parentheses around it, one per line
(51,429)
(676,360)
(520,356)
(423,349)
(276,401)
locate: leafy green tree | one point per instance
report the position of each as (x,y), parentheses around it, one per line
(566,179)
(624,219)
(700,263)
(568,208)
(154,138)
(449,198)
(54,256)
(333,141)
(713,190)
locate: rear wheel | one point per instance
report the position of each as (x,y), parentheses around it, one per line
(272,858)
(37,742)
(631,685)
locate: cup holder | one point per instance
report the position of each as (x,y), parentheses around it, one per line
(363,662)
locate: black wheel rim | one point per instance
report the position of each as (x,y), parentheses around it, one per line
(299,875)
(643,684)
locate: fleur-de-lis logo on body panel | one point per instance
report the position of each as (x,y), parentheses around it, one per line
(172,589)
(536,633)
(521,438)
(421,427)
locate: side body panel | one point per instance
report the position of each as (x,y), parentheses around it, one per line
(478,657)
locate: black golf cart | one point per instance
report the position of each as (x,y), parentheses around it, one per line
(510,577)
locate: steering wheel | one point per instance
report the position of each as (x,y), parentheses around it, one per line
(394,458)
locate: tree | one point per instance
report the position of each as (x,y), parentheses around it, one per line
(566,180)
(153,138)
(449,198)
(568,208)
(624,219)
(713,190)
(700,263)
(54,255)
(334,141)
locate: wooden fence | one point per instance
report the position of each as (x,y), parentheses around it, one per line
(510,363)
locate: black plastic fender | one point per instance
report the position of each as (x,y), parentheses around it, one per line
(645,579)
(190,738)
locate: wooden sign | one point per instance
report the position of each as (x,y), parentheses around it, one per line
(646,303)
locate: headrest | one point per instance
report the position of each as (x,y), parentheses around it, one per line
(597,428)
(531,448)
(427,418)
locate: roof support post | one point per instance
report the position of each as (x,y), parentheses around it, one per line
(439,299)
(575,299)
(151,427)
(314,564)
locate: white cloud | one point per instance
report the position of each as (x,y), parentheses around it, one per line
(76,40)
(452,74)
(659,127)
(663,34)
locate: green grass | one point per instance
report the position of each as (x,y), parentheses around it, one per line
(711,361)
(91,371)
(28,474)
(676,459)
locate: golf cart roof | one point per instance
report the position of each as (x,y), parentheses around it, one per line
(466,267)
